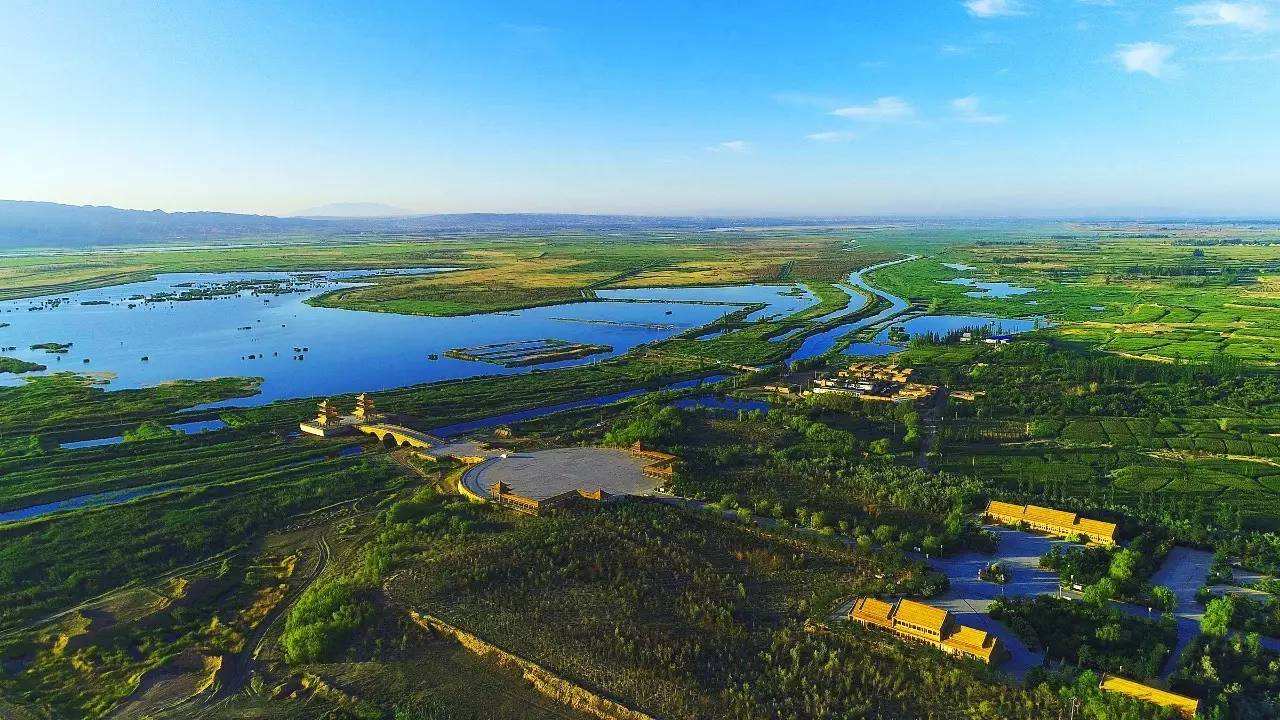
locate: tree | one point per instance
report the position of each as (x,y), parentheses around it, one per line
(1217,617)
(1163,599)
(150,430)
(322,620)
(1101,592)
(818,520)
(884,533)
(1124,565)
(1042,428)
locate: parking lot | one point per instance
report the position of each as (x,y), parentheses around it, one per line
(969,598)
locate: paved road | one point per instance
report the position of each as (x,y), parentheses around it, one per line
(969,598)
(1184,572)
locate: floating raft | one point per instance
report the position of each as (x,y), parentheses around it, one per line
(527,352)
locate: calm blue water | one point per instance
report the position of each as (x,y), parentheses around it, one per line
(989,289)
(346,351)
(873,348)
(857,301)
(940,325)
(781,300)
(819,344)
(190,428)
(463,428)
(111,497)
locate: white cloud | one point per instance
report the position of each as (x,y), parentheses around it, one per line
(731,146)
(992,8)
(969,109)
(832,136)
(1243,15)
(1151,58)
(885,109)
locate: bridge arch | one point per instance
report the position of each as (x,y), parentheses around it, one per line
(396,436)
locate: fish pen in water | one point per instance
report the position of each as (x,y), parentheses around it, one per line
(527,352)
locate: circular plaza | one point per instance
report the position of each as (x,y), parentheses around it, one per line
(550,473)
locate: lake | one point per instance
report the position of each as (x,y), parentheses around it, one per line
(110,497)
(258,324)
(940,325)
(188,428)
(989,289)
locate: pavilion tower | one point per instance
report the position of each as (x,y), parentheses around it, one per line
(327,414)
(364,407)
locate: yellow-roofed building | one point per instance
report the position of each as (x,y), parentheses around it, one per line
(870,611)
(928,624)
(1187,706)
(1055,522)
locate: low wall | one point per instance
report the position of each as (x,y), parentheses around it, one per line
(543,680)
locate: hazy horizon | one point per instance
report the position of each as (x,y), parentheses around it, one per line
(960,108)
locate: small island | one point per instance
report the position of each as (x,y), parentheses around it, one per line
(527,352)
(52,347)
(16,366)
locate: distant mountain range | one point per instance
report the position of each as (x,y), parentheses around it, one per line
(26,224)
(355,210)
(45,224)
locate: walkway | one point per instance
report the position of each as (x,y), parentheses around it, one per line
(1184,571)
(400,434)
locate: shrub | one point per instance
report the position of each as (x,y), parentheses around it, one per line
(150,430)
(323,620)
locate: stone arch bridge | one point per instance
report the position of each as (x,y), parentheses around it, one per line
(394,436)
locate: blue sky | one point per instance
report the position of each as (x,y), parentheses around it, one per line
(978,107)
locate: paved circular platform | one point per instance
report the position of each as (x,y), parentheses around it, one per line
(547,473)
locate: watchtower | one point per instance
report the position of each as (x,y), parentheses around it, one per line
(364,407)
(327,414)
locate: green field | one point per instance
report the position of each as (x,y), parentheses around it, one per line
(1161,411)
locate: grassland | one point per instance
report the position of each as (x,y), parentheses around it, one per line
(497,273)
(1170,298)
(69,402)
(677,613)
(684,617)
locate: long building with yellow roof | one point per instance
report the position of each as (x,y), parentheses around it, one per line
(928,624)
(1055,522)
(1187,706)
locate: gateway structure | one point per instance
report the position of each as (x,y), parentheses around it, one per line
(927,624)
(1062,523)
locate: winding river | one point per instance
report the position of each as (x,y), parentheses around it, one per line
(820,343)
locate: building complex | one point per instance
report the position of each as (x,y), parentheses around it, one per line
(1062,523)
(869,381)
(927,624)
